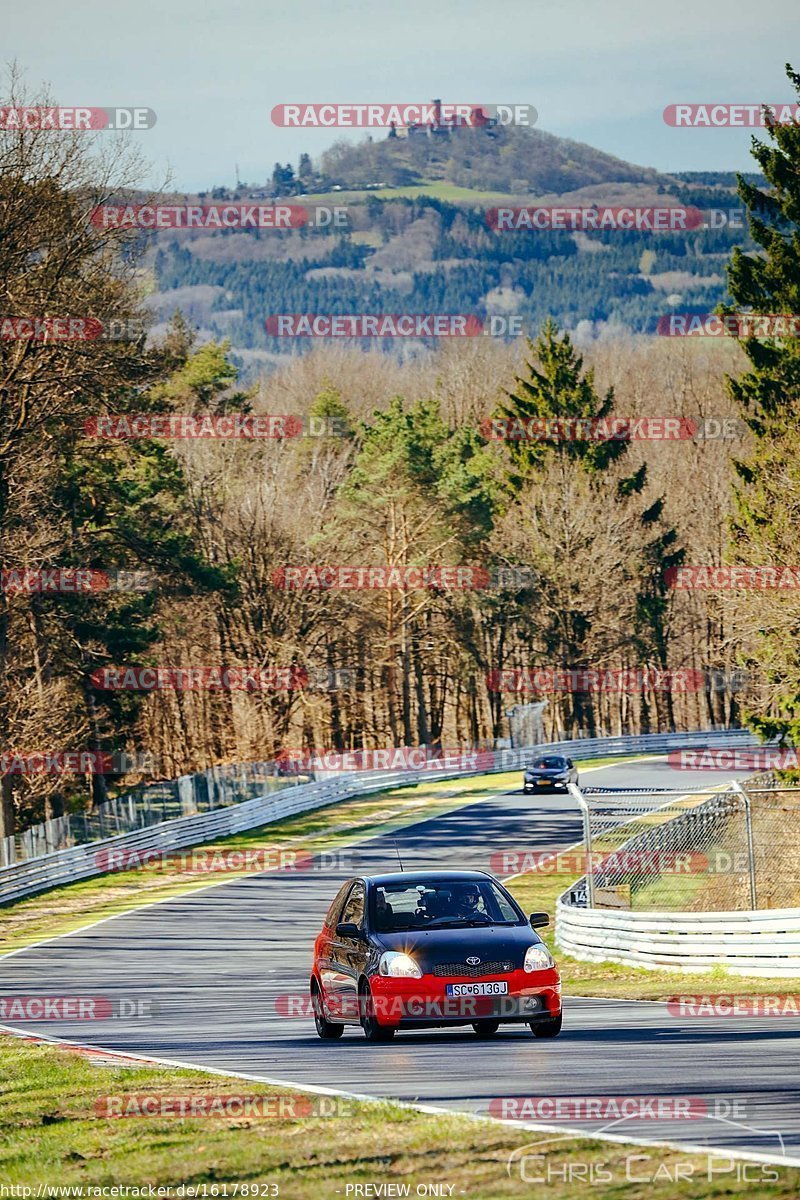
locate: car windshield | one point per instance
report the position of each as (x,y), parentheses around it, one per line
(445,904)
(549,764)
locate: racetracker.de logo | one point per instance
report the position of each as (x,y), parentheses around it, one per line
(398,758)
(740,116)
(393,1009)
(224,862)
(388,325)
(434,115)
(70,762)
(200,679)
(200,216)
(590,429)
(210,426)
(74,1008)
(70,329)
(733,578)
(620,429)
(286,1107)
(727,1005)
(70,580)
(350,578)
(598,1108)
(73,119)
(759,758)
(586,679)
(591,220)
(577,862)
(764,326)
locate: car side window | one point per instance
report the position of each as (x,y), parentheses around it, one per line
(569,762)
(335,908)
(353,910)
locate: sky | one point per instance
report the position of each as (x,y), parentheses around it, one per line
(598,71)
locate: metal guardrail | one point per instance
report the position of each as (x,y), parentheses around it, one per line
(595,922)
(84,861)
(765,943)
(147,805)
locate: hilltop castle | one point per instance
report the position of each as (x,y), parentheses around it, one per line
(443,126)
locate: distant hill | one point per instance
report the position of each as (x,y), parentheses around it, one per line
(513,159)
(418,240)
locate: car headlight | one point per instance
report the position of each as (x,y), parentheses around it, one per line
(538,958)
(402,965)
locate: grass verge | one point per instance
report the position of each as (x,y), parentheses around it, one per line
(54,1132)
(440,190)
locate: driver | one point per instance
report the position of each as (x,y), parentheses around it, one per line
(466,901)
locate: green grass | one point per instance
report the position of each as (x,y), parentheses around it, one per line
(50,1134)
(439,191)
(671,893)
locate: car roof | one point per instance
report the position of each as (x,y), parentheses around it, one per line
(428,877)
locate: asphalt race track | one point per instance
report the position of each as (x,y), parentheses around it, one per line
(220,963)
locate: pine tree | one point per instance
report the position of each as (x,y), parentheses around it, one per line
(770,282)
(764,529)
(557,389)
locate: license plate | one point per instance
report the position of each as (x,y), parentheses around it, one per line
(543,782)
(477,989)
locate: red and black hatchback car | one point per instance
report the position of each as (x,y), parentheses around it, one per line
(415,949)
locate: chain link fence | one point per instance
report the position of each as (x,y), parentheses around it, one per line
(776,841)
(151,804)
(714,849)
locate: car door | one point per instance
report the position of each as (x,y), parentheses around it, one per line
(349,955)
(325,950)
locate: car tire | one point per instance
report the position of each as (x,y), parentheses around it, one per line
(485,1029)
(373,1030)
(327,1030)
(549,1028)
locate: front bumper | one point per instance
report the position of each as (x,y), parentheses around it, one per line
(412,1003)
(541,785)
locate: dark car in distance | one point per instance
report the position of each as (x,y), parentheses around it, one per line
(439,948)
(549,772)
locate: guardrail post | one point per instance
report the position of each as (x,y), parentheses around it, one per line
(578,795)
(751,855)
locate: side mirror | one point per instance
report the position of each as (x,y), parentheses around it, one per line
(538,920)
(346,929)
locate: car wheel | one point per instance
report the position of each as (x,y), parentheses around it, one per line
(485,1029)
(373,1031)
(326,1029)
(546,1029)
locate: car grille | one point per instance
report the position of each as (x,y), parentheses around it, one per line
(484,968)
